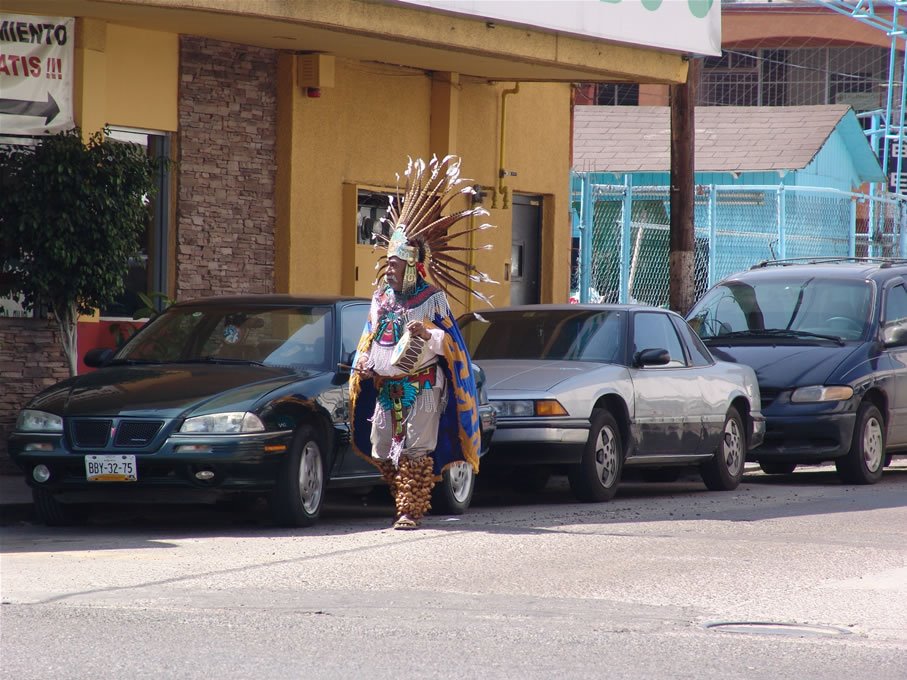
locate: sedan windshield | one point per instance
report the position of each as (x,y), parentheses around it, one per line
(800,310)
(292,337)
(571,335)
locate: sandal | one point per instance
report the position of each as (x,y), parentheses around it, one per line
(406,522)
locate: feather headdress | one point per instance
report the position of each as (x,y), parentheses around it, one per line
(421,232)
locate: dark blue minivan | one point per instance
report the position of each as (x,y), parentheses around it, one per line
(828,341)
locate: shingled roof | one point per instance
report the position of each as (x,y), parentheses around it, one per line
(624,139)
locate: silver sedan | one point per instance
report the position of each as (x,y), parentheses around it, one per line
(593,389)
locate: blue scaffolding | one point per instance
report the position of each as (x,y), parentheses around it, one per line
(884,133)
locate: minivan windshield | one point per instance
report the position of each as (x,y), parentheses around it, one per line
(570,335)
(798,309)
(295,337)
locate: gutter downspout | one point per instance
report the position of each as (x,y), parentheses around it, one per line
(502,172)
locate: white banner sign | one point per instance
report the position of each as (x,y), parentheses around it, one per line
(36,67)
(687,26)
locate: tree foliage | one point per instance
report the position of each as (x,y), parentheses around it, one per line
(71,215)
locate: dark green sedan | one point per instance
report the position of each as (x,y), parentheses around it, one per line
(215,398)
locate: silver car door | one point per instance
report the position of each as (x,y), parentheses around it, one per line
(669,404)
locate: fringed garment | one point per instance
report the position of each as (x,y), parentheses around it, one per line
(394,401)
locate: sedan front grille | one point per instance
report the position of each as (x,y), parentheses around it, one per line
(90,434)
(132,433)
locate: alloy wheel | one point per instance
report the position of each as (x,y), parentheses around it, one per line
(606,457)
(460,476)
(311,475)
(733,447)
(872,444)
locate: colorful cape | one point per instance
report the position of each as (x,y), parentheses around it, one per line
(459,436)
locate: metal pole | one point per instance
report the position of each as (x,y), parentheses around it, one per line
(782,226)
(713,229)
(902,213)
(871,222)
(625,227)
(892,55)
(852,241)
(585,239)
(895,34)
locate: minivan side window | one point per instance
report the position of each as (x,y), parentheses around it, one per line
(895,304)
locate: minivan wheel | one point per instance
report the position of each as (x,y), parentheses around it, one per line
(299,492)
(864,462)
(596,476)
(724,470)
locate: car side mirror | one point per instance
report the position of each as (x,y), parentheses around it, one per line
(895,335)
(97,357)
(654,356)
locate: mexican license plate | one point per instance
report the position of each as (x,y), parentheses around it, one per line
(117,468)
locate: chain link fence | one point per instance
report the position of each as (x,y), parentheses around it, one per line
(625,257)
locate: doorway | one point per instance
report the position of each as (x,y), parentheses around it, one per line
(525,269)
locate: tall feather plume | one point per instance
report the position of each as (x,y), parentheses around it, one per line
(417,209)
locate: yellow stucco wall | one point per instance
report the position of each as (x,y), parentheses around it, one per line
(359,133)
(125,77)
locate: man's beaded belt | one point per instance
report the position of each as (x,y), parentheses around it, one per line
(398,393)
(425,377)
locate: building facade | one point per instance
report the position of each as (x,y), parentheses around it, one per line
(288,124)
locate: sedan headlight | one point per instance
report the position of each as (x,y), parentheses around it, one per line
(223,423)
(815,393)
(38,421)
(528,408)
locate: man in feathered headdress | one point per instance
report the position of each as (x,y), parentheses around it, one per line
(413,379)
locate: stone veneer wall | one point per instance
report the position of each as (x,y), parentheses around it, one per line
(31,359)
(227,168)
(225,212)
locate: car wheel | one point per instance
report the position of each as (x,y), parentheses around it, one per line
(453,494)
(863,463)
(530,479)
(776,468)
(53,513)
(725,469)
(596,476)
(299,492)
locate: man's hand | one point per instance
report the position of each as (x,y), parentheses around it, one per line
(362,368)
(418,329)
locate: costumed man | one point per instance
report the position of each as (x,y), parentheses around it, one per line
(412,392)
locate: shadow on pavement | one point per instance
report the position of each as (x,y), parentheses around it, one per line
(495,509)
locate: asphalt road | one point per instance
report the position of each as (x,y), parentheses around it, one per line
(515,588)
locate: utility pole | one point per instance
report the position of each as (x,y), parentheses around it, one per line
(681,266)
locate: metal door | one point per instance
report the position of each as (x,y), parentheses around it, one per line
(525,270)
